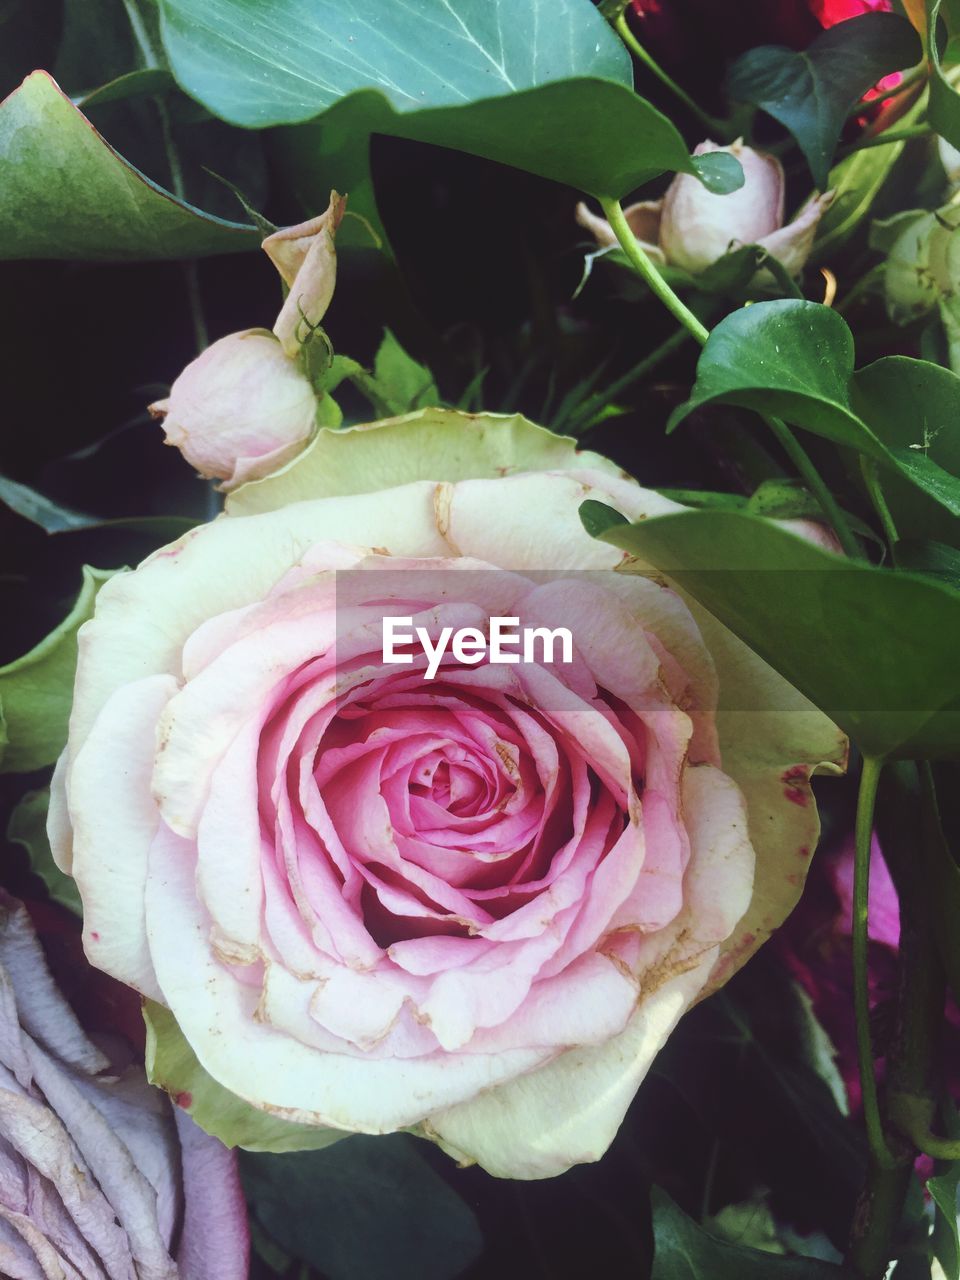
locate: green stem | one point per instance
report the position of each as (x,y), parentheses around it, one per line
(646,268)
(642,263)
(914,76)
(720,127)
(831,509)
(866,802)
(871,477)
(581,419)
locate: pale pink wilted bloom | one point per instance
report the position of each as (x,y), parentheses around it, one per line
(306,257)
(692,228)
(240,410)
(474,908)
(101,1178)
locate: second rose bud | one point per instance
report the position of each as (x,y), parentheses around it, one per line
(691,228)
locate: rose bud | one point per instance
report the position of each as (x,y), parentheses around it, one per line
(240,410)
(306,258)
(102,1176)
(692,228)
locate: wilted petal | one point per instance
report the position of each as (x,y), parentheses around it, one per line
(791,245)
(215,1240)
(306,257)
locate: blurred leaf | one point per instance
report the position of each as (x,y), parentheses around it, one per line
(943,1189)
(923,555)
(36,691)
(944,107)
(795,359)
(143,83)
(28,827)
(684,1251)
(172,1065)
(66,194)
(812,93)
(266,62)
(370,1207)
(36,508)
(399,384)
(855,182)
(845,634)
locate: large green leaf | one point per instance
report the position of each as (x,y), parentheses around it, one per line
(876,650)
(265,62)
(36,691)
(369,1207)
(684,1251)
(542,85)
(812,93)
(64,193)
(944,110)
(172,1065)
(795,359)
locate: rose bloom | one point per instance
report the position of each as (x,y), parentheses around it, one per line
(101,1178)
(692,228)
(475,907)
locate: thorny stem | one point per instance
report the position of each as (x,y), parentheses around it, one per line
(622,28)
(641,261)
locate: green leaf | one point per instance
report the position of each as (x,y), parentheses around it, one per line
(64,193)
(943,1189)
(812,93)
(795,359)
(684,1251)
(923,555)
(874,649)
(720,172)
(913,406)
(944,107)
(855,182)
(143,83)
(172,1065)
(36,691)
(266,62)
(28,827)
(399,384)
(370,1207)
(40,510)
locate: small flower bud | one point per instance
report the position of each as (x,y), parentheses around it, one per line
(240,410)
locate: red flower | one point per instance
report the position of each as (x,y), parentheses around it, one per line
(829,12)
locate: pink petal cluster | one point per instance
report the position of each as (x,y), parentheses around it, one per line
(473,907)
(99,1179)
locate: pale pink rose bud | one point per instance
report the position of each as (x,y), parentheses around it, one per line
(306,257)
(240,410)
(692,228)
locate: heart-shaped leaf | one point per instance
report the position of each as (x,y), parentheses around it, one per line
(266,62)
(795,359)
(64,193)
(845,634)
(812,93)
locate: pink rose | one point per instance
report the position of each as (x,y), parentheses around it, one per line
(692,228)
(472,907)
(99,1175)
(240,410)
